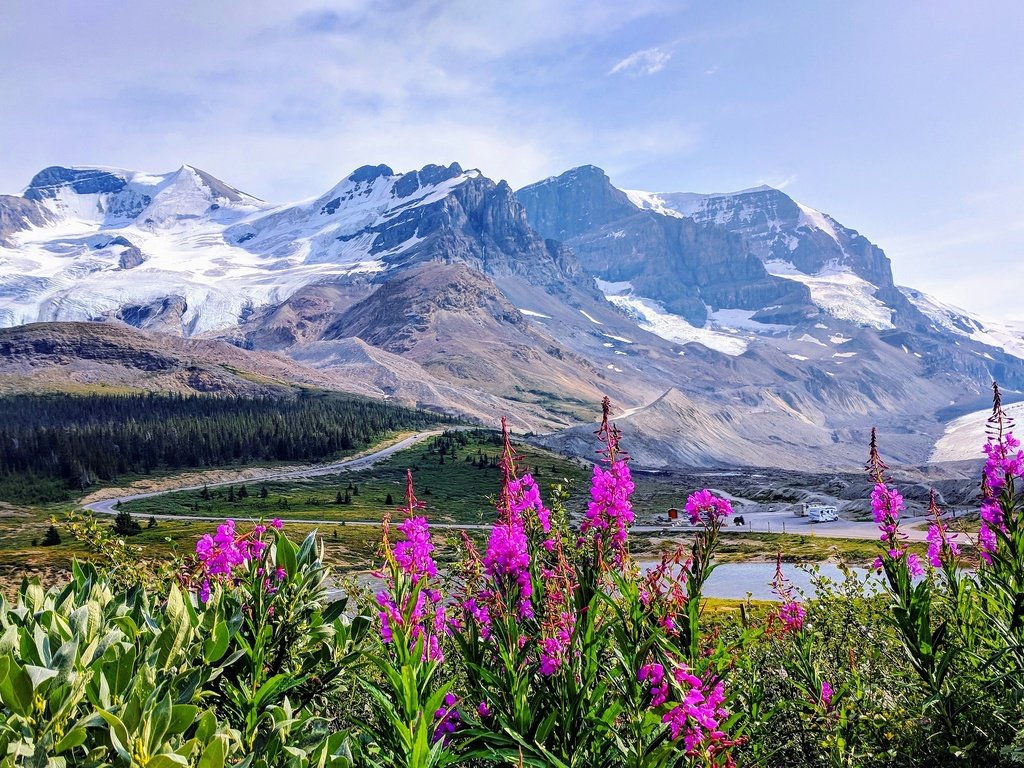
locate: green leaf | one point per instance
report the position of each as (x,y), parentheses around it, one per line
(214,754)
(74,738)
(118,733)
(167,760)
(216,644)
(176,628)
(182,717)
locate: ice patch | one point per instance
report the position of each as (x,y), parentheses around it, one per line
(531,313)
(810,340)
(838,338)
(649,201)
(613,289)
(839,292)
(616,338)
(652,316)
(799,357)
(844,354)
(591,319)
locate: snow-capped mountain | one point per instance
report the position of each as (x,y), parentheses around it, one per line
(1006,335)
(771,315)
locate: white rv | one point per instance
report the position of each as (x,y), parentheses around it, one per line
(820,513)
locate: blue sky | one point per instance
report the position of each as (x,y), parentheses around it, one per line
(903,120)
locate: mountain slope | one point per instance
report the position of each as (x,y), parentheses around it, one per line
(737,328)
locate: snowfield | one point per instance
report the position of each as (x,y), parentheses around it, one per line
(187,235)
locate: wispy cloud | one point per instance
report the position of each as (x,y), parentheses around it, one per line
(645,62)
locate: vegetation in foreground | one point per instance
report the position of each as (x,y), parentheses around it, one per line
(549,648)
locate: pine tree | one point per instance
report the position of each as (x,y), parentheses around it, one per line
(52,537)
(243,492)
(152,522)
(355,490)
(205,494)
(125,525)
(231,493)
(338,498)
(263,491)
(348,498)
(388,500)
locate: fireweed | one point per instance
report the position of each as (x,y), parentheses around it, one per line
(569,649)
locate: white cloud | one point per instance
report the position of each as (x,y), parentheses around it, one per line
(645,62)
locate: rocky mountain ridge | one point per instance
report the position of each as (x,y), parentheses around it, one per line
(718,320)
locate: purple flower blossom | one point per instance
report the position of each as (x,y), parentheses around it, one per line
(826,694)
(914,565)
(654,675)
(508,559)
(1004,462)
(413,554)
(704,506)
(446,719)
(276,523)
(886,504)
(938,538)
(483,710)
(792,615)
(699,716)
(610,510)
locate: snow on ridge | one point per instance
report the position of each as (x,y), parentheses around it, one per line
(223,252)
(650,201)
(840,292)
(1007,336)
(652,316)
(964,436)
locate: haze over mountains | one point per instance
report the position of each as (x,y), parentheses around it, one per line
(741,328)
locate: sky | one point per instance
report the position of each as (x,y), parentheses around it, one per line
(902,120)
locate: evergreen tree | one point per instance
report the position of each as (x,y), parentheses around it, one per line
(338,498)
(125,525)
(243,492)
(231,493)
(205,494)
(263,491)
(355,490)
(152,522)
(388,500)
(52,537)
(348,498)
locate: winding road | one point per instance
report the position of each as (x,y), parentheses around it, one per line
(757,521)
(107,506)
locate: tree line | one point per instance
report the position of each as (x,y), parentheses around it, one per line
(52,446)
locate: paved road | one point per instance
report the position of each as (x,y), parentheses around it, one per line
(757,521)
(106,507)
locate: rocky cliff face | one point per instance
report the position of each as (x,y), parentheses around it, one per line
(685,265)
(776,331)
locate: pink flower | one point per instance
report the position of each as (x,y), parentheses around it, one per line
(654,675)
(914,565)
(610,511)
(413,554)
(508,559)
(699,716)
(276,523)
(826,694)
(792,615)
(704,506)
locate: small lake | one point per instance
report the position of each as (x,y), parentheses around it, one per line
(734,580)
